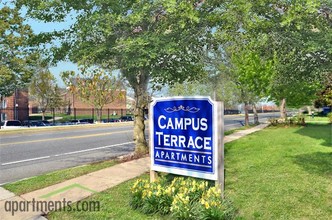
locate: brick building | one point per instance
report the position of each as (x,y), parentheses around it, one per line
(15,107)
(118,107)
(74,106)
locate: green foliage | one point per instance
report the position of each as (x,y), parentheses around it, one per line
(291,121)
(44,90)
(251,72)
(56,98)
(155,42)
(285,38)
(182,199)
(163,39)
(95,87)
(214,207)
(16,55)
(189,88)
(324,97)
(329,115)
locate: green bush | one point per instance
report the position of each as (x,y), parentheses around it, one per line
(296,120)
(183,198)
(214,207)
(329,115)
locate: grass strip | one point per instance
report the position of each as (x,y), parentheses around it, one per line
(229,132)
(44,180)
(114,204)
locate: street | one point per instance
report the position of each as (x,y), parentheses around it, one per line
(25,154)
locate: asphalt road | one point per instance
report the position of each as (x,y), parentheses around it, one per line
(27,154)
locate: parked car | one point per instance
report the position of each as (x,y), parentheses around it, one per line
(110,120)
(11,124)
(114,120)
(75,122)
(34,123)
(126,118)
(46,123)
(86,121)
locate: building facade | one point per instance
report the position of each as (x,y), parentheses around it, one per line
(74,106)
(16,106)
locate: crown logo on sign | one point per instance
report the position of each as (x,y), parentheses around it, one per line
(182,108)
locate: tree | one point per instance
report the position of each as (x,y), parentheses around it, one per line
(148,41)
(252,74)
(16,55)
(217,85)
(56,100)
(324,97)
(290,34)
(95,87)
(43,89)
(189,88)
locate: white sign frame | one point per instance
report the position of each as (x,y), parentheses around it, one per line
(218,146)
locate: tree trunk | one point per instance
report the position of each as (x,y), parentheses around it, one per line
(246,114)
(309,110)
(99,114)
(140,85)
(256,122)
(43,115)
(1,102)
(283,109)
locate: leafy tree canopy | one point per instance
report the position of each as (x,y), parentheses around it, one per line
(163,38)
(158,41)
(292,37)
(95,87)
(43,89)
(17,57)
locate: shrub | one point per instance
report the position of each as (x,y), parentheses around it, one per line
(137,193)
(150,197)
(183,198)
(296,120)
(329,115)
(214,207)
(184,208)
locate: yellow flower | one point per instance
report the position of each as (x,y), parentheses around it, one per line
(144,194)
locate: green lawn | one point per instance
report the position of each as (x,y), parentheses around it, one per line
(42,181)
(229,132)
(316,119)
(278,173)
(282,173)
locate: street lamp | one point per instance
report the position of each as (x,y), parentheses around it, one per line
(16,111)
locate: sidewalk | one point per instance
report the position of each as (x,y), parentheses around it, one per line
(84,186)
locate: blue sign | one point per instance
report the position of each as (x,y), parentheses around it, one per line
(183,136)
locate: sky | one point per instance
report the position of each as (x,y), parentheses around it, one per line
(39,27)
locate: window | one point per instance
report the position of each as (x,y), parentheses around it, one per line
(13,123)
(3,116)
(4,104)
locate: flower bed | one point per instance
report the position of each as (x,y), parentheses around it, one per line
(182,198)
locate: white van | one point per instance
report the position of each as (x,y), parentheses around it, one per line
(11,124)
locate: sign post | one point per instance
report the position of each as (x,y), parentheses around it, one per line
(220,182)
(186,138)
